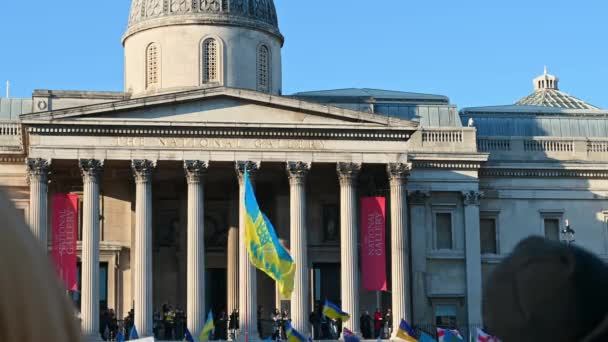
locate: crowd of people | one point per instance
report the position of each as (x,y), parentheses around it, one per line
(170,324)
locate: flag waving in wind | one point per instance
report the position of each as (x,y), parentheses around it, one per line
(332,311)
(406,332)
(207,328)
(293,335)
(265,251)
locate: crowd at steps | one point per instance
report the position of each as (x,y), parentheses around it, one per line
(170,324)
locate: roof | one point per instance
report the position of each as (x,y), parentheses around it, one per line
(374,94)
(258,14)
(531,121)
(554,98)
(11,108)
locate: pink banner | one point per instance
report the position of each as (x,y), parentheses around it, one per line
(65,234)
(373,251)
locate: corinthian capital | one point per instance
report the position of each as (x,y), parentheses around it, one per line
(472,197)
(348,172)
(91,169)
(38,169)
(251,167)
(297,172)
(143,169)
(398,172)
(195,170)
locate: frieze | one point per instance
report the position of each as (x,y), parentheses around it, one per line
(219,143)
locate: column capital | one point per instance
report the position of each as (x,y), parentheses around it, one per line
(297,171)
(195,170)
(398,172)
(348,172)
(38,169)
(91,169)
(251,167)
(418,197)
(472,197)
(143,169)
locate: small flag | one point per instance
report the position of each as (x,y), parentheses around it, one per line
(482,336)
(334,312)
(349,336)
(133,335)
(207,328)
(120,337)
(188,336)
(405,332)
(449,335)
(424,337)
(294,336)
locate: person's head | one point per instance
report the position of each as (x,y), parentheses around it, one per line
(547,291)
(30,287)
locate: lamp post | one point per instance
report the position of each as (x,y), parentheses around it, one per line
(568,234)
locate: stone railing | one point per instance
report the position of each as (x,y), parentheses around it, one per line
(10,135)
(444,139)
(523,148)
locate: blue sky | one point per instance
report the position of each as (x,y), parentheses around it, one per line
(477,52)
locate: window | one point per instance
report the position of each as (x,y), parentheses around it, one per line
(552,229)
(445,315)
(487,227)
(210,61)
(103,286)
(443,231)
(152,65)
(264,68)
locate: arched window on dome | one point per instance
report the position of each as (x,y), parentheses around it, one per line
(264,83)
(211,61)
(152,65)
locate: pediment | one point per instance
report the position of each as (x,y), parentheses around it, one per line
(217,107)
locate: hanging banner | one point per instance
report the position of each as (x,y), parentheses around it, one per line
(373,250)
(65,235)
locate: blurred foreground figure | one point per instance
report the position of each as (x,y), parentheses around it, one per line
(33,308)
(547,291)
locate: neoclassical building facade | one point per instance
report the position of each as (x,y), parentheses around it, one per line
(158,171)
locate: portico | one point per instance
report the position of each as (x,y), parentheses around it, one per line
(192,148)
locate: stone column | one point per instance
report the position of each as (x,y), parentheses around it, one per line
(300,306)
(195,173)
(349,272)
(92,171)
(248,321)
(233,258)
(142,266)
(38,179)
(417,202)
(471,201)
(400,245)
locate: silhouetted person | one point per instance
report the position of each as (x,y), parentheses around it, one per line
(547,291)
(366,325)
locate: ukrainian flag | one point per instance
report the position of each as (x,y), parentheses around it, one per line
(207,328)
(334,312)
(405,332)
(262,242)
(293,335)
(188,336)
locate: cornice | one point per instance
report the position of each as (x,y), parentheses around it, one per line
(544,173)
(223,132)
(447,164)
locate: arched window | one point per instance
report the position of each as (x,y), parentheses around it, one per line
(263,68)
(152,65)
(210,61)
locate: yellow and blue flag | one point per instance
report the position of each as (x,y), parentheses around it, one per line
(293,335)
(406,332)
(133,335)
(332,311)
(265,251)
(188,336)
(207,328)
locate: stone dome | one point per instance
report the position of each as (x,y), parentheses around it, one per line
(257,14)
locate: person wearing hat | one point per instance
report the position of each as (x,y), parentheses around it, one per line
(547,291)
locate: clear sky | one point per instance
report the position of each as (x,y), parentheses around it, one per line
(477,52)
